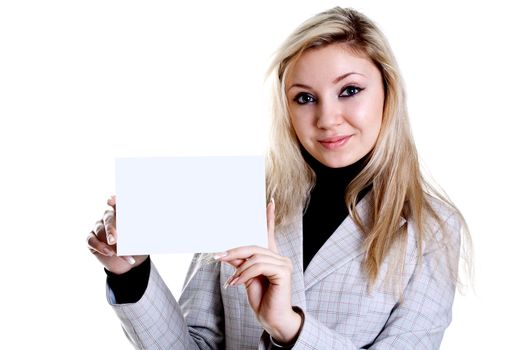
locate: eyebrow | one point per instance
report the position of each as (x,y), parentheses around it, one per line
(335,81)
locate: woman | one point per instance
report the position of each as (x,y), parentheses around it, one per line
(362,253)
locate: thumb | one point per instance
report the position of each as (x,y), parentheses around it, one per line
(270,224)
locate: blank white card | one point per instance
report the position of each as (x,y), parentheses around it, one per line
(189,204)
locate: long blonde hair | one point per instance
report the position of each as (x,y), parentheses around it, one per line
(398,189)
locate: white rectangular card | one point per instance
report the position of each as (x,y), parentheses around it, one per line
(189,204)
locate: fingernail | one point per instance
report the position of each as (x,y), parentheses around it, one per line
(111,239)
(228,282)
(108,252)
(130,260)
(232,283)
(273,201)
(217,256)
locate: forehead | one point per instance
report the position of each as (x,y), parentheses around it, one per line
(327,62)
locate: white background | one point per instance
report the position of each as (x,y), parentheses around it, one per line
(82,82)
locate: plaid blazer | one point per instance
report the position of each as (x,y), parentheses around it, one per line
(339,312)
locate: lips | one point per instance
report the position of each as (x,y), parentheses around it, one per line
(334,142)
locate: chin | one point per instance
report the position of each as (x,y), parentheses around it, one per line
(337,162)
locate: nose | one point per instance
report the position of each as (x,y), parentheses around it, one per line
(329,115)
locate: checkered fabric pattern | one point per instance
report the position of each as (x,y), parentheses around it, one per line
(339,311)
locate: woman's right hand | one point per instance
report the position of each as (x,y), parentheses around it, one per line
(102,242)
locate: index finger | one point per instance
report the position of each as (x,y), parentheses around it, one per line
(270,223)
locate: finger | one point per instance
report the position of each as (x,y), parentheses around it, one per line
(270,223)
(272,272)
(110,226)
(235,263)
(260,259)
(95,245)
(112,201)
(103,257)
(99,230)
(112,235)
(242,264)
(129,259)
(245,252)
(283,262)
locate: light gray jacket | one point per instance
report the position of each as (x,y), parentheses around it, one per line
(339,312)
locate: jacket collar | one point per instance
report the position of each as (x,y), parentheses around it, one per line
(344,245)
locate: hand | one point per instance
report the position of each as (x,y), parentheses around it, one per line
(267,277)
(102,242)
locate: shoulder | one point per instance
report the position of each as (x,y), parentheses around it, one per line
(439,229)
(433,249)
(442,220)
(444,210)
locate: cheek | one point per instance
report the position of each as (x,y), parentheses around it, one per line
(301,124)
(374,123)
(296,127)
(374,129)
(368,116)
(364,118)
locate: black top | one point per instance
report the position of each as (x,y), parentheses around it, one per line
(325,212)
(326,208)
(129,287)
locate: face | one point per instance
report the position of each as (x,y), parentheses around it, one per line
(336,100)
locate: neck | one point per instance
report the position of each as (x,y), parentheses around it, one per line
(338,176)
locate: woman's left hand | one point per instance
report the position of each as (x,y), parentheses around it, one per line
(267,277)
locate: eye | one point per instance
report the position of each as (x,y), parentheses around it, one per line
(350,91)
(304,98)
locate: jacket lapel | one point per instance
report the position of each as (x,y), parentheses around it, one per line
(290,243)
(344,245)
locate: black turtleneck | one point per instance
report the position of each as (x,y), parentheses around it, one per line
(326,208)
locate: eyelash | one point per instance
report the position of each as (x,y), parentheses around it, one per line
(301,95)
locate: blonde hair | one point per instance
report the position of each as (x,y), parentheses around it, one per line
(398,189)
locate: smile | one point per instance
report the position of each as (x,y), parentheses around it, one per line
(332,143)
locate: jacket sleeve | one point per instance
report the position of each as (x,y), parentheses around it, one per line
(157,321)
(419,320)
